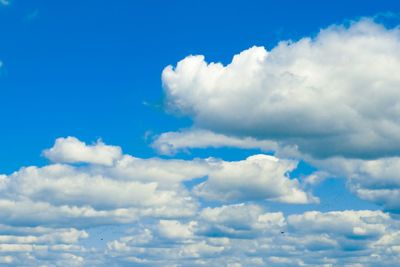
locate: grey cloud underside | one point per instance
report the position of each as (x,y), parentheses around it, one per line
(333,95)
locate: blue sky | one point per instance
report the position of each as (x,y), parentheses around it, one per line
(185,133)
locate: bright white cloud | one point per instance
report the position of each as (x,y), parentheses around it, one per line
(131,188)
(316,93)
(71,150)
(256,178)
(173,229)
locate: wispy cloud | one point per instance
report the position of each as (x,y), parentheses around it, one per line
(4,2)
(31,16)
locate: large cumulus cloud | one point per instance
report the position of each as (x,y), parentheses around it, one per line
(334,94)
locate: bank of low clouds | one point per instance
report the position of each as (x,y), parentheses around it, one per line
(96,185)
(48,212)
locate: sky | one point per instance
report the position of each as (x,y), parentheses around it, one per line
(199,133)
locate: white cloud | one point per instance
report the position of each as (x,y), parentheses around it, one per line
(239,221)
(341,238)
(164,172)
(131,188)
(350,224)
(334,94)
(67,185)
(256,178)
(46,211)
(175,230)
(71,150)
(377,180)
(25,246)
(4,2)
(171,142)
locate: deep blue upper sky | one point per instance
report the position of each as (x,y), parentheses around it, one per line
(85,68)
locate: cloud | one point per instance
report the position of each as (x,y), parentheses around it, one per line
(377,180)
(32,16)
(334,94)
(170,143)
(4,2)
(239,221)
(246,235)
(259,177)
(22,246)
(173,229)
(46,211)
(358,225)
(297,96)
(71,150)
(119,189)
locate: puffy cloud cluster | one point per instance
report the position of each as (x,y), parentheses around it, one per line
(47,214)
(24,245)
(334,94)
(247,235)
(110,188)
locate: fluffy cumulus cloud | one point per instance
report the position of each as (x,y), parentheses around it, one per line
(334,94)
(258,177)
(71,150)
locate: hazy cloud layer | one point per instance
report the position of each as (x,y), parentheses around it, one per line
(334,94)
